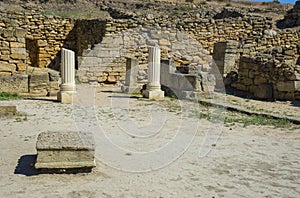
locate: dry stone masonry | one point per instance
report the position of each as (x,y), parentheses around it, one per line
(31,40)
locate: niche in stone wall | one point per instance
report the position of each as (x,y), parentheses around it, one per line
(32,52)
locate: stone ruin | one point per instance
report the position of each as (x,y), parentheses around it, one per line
(271,74)
(292,18)
(64,151)
(31,42)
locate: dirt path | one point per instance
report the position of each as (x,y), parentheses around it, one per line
(256,161)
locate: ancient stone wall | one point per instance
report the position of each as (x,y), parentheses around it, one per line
(184,41)
(270,76)
(31,39)
(292,18)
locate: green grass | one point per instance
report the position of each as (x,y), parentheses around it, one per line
(9,96)
(232,118)
(247,120)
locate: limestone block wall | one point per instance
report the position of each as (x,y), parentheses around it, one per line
(268,77)
(14,84)
(180,40)
(105,62)
(12,50)
(29,38)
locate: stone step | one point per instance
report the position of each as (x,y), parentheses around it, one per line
(65,150)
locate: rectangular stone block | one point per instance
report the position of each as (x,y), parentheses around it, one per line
(14,84)
(65,150)
(286,86)
(264,91)
(18,50)
(155,94)
(17,45)
(7,111)
(39,84)
(65,97)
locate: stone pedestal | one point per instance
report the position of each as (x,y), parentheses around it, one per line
(153,90)
(131,75)
(67,87)
(65,150)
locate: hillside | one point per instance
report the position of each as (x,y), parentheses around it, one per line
(132,8)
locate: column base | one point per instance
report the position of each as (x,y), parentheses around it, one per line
(154,94)
(65,97)
(130,89)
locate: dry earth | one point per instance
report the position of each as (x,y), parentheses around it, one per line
(256,161)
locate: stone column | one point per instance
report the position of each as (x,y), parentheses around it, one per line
(131,75)
(67,87)
(153,90)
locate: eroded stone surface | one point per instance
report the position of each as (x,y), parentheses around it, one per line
(8,111)
(65,150)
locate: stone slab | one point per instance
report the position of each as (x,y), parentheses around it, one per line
(14,84)
(7,111)
(154,94)
(131,89)
(65,150)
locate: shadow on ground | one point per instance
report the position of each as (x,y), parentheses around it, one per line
(26,167)
(43,99)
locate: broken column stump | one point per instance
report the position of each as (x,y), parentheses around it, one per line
(153,90)
(65,150)
(67,87)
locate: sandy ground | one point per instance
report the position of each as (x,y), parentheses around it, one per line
(148,148)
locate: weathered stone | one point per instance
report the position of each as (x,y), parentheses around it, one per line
(65,150)
(14,84)
(225,56)
(7,67)
(20,32)
(54,76)
(264,91)
(8,33)
(21,66)
(164,42)
(18,50)
(42,43)
(39,84)
(18,56)
(17,45)
(130,85)
(5,73)
(288,86)
(8,111)
(111,79)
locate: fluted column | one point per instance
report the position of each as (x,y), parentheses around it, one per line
(153,90)
(67,87)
